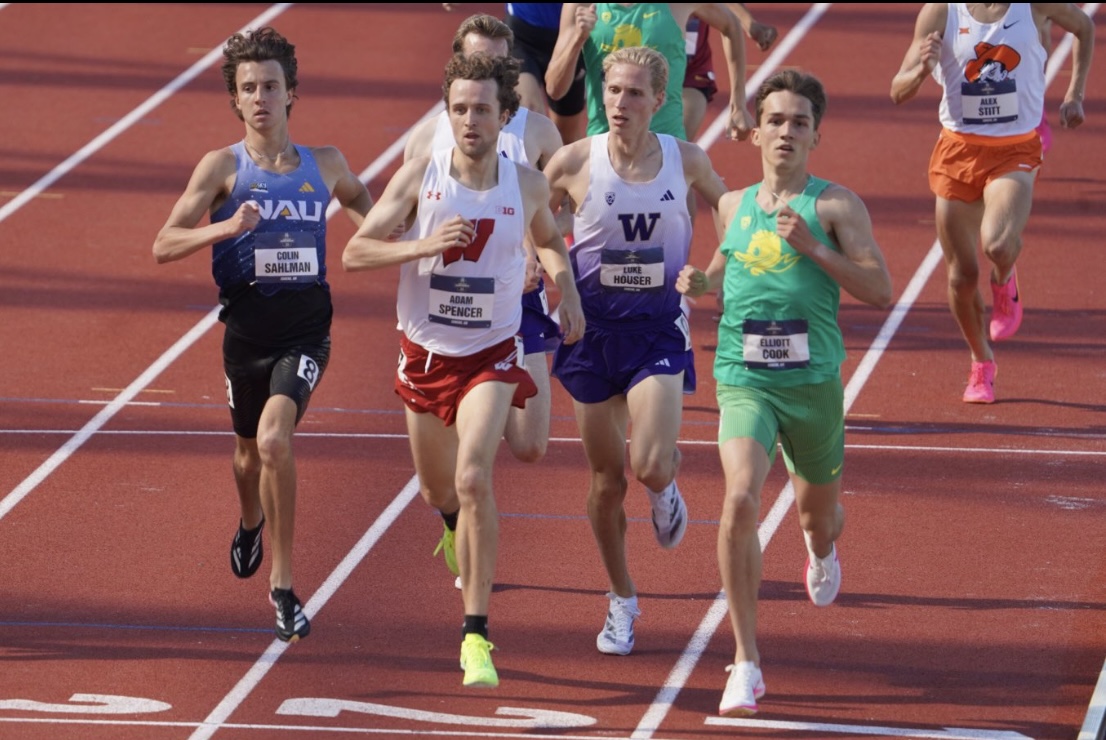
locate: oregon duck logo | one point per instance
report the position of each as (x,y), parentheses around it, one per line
(624,36)
(765,254)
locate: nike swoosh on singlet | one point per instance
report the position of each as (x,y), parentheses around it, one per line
(657,12)
(1005,26)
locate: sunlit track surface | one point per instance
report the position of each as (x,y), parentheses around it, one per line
(973,593)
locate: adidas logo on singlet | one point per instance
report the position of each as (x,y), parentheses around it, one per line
(306,188)
(667,196)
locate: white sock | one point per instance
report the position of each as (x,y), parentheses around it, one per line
(810,548)
(654,496)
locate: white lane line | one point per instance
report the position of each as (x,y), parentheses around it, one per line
(130,119)
(1094,722)
(63,453)
(944,733)
(718,611)
(248,682)
(1096,710)
(785,46)
(210,319)
(1003,451)
(74,443)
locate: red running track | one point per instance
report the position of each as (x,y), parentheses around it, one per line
(974,563)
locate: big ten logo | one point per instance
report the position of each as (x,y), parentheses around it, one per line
(505,210)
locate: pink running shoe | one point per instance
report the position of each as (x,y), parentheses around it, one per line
(1006,308)
(981,383)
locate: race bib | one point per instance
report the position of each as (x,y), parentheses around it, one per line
(989,102)
(632,270)
(464,302)
(285,257)
(776,345)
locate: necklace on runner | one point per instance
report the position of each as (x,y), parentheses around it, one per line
(780,199)
(265,157)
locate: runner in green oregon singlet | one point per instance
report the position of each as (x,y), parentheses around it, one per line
(640,24)
(779,327)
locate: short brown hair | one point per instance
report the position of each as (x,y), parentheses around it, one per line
(483,24)
(502,70)
(800,83)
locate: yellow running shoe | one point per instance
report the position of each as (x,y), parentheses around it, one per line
(476,662)
(448,550)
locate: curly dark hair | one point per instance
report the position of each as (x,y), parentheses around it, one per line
(260,45)
(503,70)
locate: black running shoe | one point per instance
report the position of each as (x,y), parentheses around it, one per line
(245,551)
(291,622)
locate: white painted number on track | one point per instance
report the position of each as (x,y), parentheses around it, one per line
(534,718)
(90,704)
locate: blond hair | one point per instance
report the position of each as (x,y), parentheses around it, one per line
(644,57)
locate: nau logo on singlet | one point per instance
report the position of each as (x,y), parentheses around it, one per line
(290,210)
(471,253)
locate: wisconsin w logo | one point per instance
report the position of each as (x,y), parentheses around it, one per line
(472,252)
(638,226)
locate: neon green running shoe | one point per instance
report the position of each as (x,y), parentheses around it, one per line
(476,662)
(448,550)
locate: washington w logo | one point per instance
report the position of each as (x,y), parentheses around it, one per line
(635,227)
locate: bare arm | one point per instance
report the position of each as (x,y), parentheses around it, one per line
(762,34)
(567,173)
(209,185)
(543,139)
(694,282)
(371,248)
(419,142)
(701,177)
(700,174)
(923,54)
(349,191)
(859,267)
(550,248)
(540,148)
(722,18)
(577,22)
(1069,17)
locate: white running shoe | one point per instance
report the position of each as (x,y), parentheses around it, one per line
(669,516)
(822,575)
(617,637)
(744,686)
